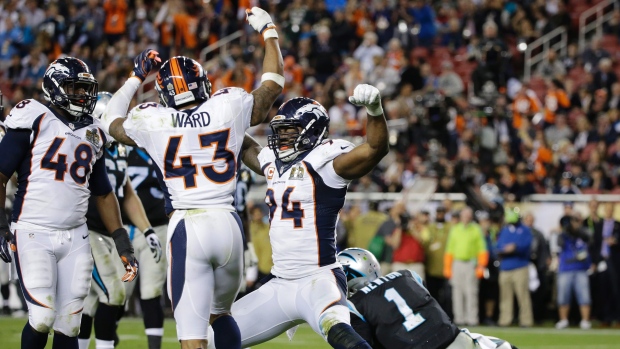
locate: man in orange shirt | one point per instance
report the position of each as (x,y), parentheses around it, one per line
(239,76)
(115,18)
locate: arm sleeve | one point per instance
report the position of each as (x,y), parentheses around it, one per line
(99,183)
(14,148)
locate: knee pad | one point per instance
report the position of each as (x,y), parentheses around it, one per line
(68,324)
(332,316)
(41,319)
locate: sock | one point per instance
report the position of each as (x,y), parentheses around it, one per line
(152,311)
(86,327)
(154,341)
(83,343)
(226,333)
(100,344)
(5,291)
(32,339)
(64,342)
(342,336)
(104,320)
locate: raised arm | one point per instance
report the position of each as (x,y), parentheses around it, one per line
(116,110)
(359,161)
(272,80)
(250,150)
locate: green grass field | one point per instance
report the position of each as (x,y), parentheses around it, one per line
(132,337)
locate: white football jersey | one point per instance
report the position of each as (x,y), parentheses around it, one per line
(53,182)
(195,149)
(304,203)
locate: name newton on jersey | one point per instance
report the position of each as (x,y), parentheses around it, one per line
(200,119)
(371,286)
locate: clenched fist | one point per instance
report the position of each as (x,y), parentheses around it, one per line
(369,97)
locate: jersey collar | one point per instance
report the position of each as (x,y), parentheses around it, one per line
(83,121)
(285,166)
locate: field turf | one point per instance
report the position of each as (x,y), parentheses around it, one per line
(132,337)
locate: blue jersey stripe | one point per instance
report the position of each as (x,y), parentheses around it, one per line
(24,171)
(178,247)
(327,205)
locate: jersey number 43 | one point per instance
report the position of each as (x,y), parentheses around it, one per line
(188,170)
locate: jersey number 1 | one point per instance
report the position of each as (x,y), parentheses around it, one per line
(411,320)
(187,169)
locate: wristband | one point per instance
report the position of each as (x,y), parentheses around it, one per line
(121,240)
(277,78)
(270,32)
(4,223)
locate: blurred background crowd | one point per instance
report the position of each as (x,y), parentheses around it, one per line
(451,73)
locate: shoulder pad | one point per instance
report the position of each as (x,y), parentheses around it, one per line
(328,151)
(230,92)
(148,114)
(24,114)
(266,156)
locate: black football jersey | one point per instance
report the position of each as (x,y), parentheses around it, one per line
(116,165)
(397,312)
(143,173)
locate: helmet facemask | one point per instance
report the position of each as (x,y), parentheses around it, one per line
(290,139)
(81,96)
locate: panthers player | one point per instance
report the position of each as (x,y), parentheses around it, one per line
(56,150)
(107,293)
(195,139)
(307,177)
(143,174)
(396,310)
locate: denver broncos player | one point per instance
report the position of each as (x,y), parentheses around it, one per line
(195,139)
(396,310)
(307,177)
(107,293)
(56,150)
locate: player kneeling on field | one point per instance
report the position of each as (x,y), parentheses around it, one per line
(396,311)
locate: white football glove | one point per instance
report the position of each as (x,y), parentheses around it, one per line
(261,21)
(369,97)
(154,244)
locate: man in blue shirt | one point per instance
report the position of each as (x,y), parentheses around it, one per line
(513,250)
(573,272)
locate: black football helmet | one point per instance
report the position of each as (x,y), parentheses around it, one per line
(69,84)
(180,81)
(310,119)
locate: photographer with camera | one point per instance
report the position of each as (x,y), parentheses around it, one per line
(574,262)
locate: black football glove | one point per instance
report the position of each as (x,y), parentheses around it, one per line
(144,63)
(125,251)
(7,239)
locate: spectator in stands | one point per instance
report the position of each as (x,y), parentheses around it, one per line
(366,52)
(92,16)
(600,183)
(558,131)
(364,227)
(424,15)
(142,28)
(566,185)
(325,58)
(605,77)
(340,114)
(366,185)
(406,242)
(541,258)
(574,262)
(259,234)
(556,100)
(434,249)
(524,105)
(380,245)
(10,47)
(605,253)
(33,14)
(115,21)
(614,96)
(449,82)
(592,55)
(239,76)
(513,249)
(522,186)
(384,76)
(464,262)
(489,284)
(551,67)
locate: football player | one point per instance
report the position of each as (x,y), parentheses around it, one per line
(307,177)
(195,139)
(143,174)
(396,311)
(107,293)
(57,152)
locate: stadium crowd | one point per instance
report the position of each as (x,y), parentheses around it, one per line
(450,73)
